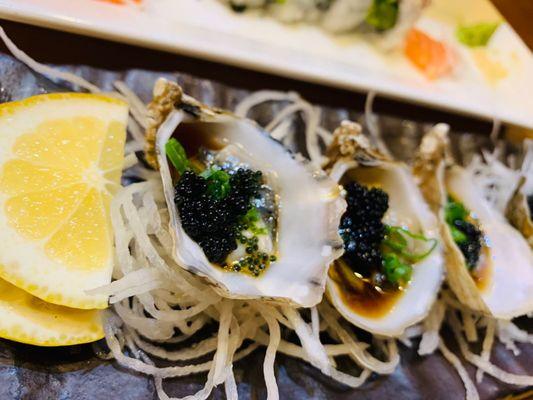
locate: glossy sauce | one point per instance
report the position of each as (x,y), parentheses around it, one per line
(363,298)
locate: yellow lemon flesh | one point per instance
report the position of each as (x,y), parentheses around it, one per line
(27,319)
(61,157)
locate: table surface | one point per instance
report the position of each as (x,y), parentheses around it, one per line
(55,47)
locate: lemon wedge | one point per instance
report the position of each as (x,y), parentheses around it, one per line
(30,320)
(61,157)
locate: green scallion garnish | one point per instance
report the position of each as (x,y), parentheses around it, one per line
(396,240)
(218,182)
(177,156)
(396,271)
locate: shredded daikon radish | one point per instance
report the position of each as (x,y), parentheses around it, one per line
(140,366)
(132,146)
(136,278)
(198,350)
(230,385)
(372,125)
(311,116)
(481,363)
(45,70)
(137,134)
(129,161)
(270,356)
(314,349)
(358,352)
(315,322)
(508,333)
(283,116)
(431,333)
(488,341)
(469,325)
(471,391)
(496,180)
(138,109)
(262,96)
(410,333)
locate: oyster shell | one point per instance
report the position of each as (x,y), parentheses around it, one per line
(308,204)
(354,159)
(501,284)
(519,212)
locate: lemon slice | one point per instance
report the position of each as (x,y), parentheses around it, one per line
(60,161)
(27,319)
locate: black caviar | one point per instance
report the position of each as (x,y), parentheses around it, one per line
(471,247)
(362,229)
(212,222)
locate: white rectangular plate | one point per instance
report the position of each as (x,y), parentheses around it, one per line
(493,83)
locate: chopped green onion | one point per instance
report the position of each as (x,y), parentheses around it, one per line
(458,235)
(259,231)
(395,240)
(454,211)
(396,271)
(177,156)
(252,217)
(477,35)
(382,14)
(218,182)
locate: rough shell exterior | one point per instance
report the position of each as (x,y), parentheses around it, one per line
(519,214)
(349,144)
(166,94)
(430,166)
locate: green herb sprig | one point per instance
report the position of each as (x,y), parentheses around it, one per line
(397,258)
(177,155)
(218,182)
(251,219)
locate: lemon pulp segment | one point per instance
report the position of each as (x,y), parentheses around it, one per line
(61,157)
